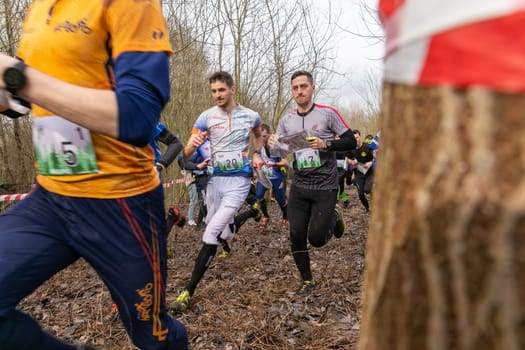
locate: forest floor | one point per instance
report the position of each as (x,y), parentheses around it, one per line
(245,301)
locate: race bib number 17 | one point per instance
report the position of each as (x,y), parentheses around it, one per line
(63,147)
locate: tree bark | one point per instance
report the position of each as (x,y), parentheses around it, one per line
(446,246)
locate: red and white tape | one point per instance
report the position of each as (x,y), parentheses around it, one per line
(20,196)
(455,43)
(12,197)
(173,182)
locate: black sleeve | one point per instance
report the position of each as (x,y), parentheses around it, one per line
(174,147)
(188,164)
(346,142)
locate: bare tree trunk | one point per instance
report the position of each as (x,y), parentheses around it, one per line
(446,246)
(17,156)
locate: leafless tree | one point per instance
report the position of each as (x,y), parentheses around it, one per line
(366,85)
(261,43)
(15,141)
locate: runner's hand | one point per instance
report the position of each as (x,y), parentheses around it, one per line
(316,143)
(257,161)
(272,139)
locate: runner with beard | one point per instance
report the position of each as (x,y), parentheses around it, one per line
(312,212)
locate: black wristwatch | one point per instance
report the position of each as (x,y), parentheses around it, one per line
(15,78)
(328,144)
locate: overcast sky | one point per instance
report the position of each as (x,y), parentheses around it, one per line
(359,58)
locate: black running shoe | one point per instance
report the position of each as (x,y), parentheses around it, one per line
(226,250)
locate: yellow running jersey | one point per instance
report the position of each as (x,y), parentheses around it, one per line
(78,41)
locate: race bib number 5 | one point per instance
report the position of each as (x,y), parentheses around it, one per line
(63,147)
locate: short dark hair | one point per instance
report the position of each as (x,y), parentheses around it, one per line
(266,128)
(305,73)
(223,76)
(355,131)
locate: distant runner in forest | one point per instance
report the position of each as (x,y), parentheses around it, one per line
(174,146)
(271,177)
(362,161)
(197,165)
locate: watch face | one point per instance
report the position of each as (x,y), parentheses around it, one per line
(13,78)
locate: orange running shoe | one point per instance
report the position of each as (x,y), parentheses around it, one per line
(110,316)
(180,219)
(264,223)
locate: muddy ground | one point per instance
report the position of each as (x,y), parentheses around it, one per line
(245,301)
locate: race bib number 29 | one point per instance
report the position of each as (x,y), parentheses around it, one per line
(63,147)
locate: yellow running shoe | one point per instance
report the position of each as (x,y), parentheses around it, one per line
(182,302)
(340,226)
(224,254)
(258,213)
(306,288)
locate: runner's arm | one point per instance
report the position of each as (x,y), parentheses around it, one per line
(142,89)
(174,147)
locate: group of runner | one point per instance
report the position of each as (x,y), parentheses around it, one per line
(230,174)
(98,190)
(356,168)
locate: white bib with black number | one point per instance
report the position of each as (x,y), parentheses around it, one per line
(227,161)
(63,147)
(307,158)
